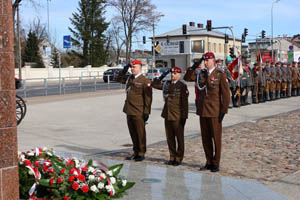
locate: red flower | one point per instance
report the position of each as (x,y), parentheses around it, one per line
(75,186)
(40,151)
(85,188)
(62,171)
(81,178)
(71,178)
(51,170)
(37,164)
(66,198)
(27,162)
(51,181)
(59,180)
(72,171)
(84,168)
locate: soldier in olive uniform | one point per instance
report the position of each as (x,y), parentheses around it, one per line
(267,74)
(175,112)
(278,79)
(214,98)
(137,107)
(232,86)
(261,83)
(295,73)
(255,88)
(245,84)
(284,80)
(289,80)
(272,81)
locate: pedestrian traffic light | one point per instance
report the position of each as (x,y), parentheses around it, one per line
(226,38)
(245,32)
(263,34)
(243,38)
(208,25)
(184,29)
(144,39)
(231,52)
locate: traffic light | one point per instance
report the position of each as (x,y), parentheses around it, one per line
(263,34)
(243,38)
(208,25)
(226,39)
(168,39)
(144,39)
(231,52)
(245,32)
(184,29)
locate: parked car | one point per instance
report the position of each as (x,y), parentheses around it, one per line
(157,72)
(113,74)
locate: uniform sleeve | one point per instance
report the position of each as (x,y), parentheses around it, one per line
(157,84)
(147,97)
(121,77)
(190,75)
(225,94)
(184,102)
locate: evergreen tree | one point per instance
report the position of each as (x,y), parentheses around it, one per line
(55,58)
(32,51)
(88,32)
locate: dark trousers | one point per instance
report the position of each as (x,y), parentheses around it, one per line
(136,126)
(211,133)
(175,132)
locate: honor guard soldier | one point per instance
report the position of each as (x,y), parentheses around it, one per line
(214,97)
(272,81)
(175,112)
(261,84)
(284,80)
(289,80)
(278,78)
(295,73)
(255,89)
(137,107)
(267,74)
(244,85)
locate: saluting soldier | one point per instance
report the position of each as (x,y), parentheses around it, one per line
(272,81)
(175,112)
(267,73)
(137,107)
(255,88)
(278,79)
(284,80)
(212,106)
(295,73)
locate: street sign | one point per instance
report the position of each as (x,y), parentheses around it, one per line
(158,48)
(67,41)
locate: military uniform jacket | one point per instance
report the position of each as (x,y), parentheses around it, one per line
(261,77)
(272,73)
(289,74)
(267,72)
(214,94)
(255,73)
(176,99)
(295,73)
(139,95)
(278,74)
(244,79)
(284,74)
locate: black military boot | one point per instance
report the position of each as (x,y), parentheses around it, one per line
(294,92)
(260,98)
(271,96)
(276,95)
(283,94)
(298,92)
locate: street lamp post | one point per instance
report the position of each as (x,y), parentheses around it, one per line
(48,19)
(272,28)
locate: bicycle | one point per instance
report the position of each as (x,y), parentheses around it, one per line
(21,107)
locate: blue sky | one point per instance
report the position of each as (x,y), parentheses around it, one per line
(253,14)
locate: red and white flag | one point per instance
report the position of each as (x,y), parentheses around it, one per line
(235,68)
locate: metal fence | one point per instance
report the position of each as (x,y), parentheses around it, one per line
(66,85)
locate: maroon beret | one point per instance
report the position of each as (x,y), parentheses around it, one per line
(209,55)
(278,63)
(176,69)
(136,62)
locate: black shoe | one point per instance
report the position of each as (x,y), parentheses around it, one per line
(176,163)
(205,167)
(139,158)
(215,168)
(170,162)
(132,157)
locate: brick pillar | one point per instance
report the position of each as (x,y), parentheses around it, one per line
(9,182)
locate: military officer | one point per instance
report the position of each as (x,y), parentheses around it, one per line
(175,112)
(267,74)
(295,73)
(137,107)
(261,84)
(284,80)
(214,97)
(245,84)
(255,88)
(289,80)
(278,78)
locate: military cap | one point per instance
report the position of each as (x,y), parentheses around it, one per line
(219,60)
(278,63)
(176,69)
(136,62)
(267,61)
(209,55)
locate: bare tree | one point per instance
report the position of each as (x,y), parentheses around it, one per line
(117,41)
(135,15)
(39,29)
(16,4)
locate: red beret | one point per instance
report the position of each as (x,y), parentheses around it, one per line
(176,69)
(136,62)
(294,62)
(209,55)
(278,63)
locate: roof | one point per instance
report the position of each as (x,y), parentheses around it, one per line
(191,30)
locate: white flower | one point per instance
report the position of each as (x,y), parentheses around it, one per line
(76,163)
(49,154)
(45,149)
(101,185)
(91,177)
(19,153)
(109,188)
(94,189)
(113,180)
(109,173)
(124,182)
(103,175)
(98,179)
(22,157)
(30,154)
(91,169)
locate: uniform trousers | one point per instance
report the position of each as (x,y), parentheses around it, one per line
(136,126)
(175,132)
(211,133)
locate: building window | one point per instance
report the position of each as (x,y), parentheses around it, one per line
(181,47)
(198,46)
(220,48)
(215,48)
